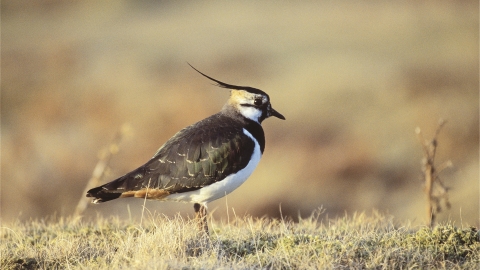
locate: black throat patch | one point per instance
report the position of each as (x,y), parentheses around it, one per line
(257,132)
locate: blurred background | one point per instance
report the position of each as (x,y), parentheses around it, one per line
(354,80)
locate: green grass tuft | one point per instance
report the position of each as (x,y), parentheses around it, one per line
(360,241)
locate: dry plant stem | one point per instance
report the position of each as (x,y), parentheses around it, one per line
(431,174)
(100,168)
(201,217)
(144,202)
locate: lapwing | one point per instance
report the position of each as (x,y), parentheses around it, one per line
(202,162)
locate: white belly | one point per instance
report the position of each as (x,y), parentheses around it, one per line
(223,187)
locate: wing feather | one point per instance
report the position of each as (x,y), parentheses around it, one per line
(196,156)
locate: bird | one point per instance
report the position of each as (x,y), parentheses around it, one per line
(204,161)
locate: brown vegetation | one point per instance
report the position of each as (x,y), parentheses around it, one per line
(435,189)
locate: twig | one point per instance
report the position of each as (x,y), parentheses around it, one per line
(101,167)
(434,187)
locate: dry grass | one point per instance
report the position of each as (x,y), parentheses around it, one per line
(358,241)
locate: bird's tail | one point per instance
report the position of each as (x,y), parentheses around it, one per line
(101,194)
(129,185)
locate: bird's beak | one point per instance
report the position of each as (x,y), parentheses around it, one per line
(276,114)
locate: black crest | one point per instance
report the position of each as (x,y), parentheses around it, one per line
(231,86)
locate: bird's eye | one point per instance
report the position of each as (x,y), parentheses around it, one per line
(258,101)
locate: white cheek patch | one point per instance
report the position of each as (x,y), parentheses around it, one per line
(244,103)
(250,112)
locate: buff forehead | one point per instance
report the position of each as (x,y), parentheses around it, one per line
(240,96)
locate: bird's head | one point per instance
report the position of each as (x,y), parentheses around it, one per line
(251,103)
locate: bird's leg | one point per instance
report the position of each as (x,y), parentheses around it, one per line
(201,217)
